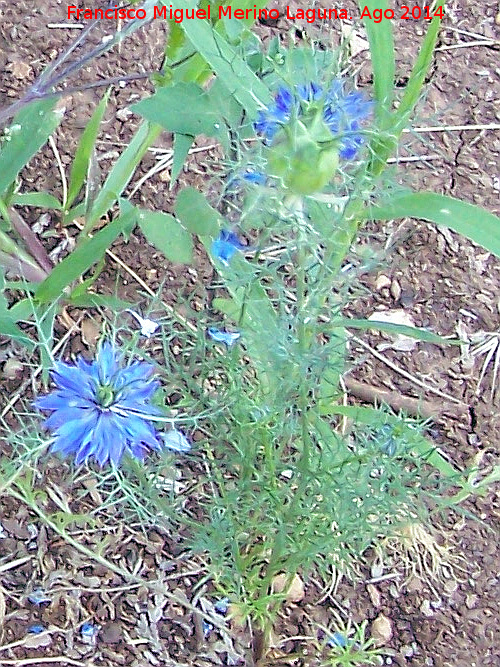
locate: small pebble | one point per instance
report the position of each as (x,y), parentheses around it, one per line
(381,630)
(374,594)
(295,592)
(12,369)
(382,282)
(425,608)
(395,290)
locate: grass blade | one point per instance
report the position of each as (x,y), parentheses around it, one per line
(84,151)
(381,41)
(471,221)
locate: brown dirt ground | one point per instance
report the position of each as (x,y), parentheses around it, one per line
(437,277)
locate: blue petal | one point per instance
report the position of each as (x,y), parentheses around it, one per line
(36,629)
(256,177)
(64,415)
(226,245)
(227,337)
(107,362)
(284,101)
(337,640)
(72,379)
(176,440)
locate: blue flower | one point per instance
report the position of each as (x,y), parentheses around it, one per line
(89,630)
(343,113)
(337,639)
(226,245)
(101,409)
(36,628)
(255,177)
(38,597)
(229,338)
(222,606)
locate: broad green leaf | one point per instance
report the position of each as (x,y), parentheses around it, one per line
(183,108)
(166,234)
(86,254)
(39,199)
(471,221)
(28,132)
(227,306)
(226,62)
(387,327)
(182,144)
(196,214)
(84,151)
(381,40)
(423,447)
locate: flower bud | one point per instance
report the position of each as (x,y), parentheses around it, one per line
(305,158)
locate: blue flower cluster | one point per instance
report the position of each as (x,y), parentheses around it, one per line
(343,113)
(101,408)
(226,245)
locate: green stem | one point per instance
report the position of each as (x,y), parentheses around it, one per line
(302,335)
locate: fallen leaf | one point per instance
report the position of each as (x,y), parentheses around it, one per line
(400,341)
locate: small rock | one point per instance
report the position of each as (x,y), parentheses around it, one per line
(407,651)
(377,569)
(471,600)
(381,630)
(414,585)
(382,282)
(123,114)
(374,594)
(295,592)
(12,369)
(426,609)
(19,69)
(497,19)
(111,633)
(395,290)
(450,586)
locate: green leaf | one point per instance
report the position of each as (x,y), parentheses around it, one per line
(9,319)
(87,253)
(90,300)
(183,108)
(166,234)
(122,171)
(387,327)
(182,144)
(226,62)
(29,131)
(420,445)
(84,151)
(39,199)
(413,90)
(471,221)
(196,214)
(381,40)
(8,327)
